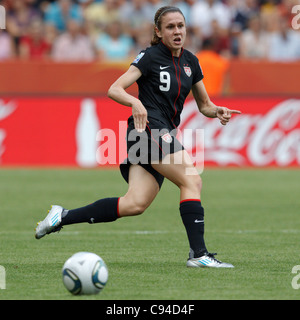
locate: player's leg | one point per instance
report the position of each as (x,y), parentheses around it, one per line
(179,169)
(141,192)
(142,189)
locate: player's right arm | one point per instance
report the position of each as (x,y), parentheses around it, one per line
(118,93)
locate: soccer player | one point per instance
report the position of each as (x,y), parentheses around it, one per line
(165,74)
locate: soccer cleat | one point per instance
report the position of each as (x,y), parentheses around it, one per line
(208,260)
(51,223)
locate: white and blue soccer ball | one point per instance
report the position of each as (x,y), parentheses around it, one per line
(84,273)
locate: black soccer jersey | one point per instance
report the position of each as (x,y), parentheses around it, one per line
(166,81)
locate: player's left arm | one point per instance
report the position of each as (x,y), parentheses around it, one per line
(207,107)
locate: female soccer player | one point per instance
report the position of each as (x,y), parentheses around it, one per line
(165,74)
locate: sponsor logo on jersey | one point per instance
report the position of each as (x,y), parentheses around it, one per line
(187,71)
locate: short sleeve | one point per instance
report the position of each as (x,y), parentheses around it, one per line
(143,62)
(198,74)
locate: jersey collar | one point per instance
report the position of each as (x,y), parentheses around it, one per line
(166,50)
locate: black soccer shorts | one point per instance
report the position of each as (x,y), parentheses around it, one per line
(150,146)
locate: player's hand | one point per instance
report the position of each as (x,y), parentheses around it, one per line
(224,114)
(139,114)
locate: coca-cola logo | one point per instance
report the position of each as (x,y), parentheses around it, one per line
(272,138)
(6,109)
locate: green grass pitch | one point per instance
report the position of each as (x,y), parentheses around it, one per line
(252,221)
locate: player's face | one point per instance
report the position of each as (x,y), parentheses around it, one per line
(173,31)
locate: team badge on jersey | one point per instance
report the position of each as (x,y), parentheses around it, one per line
(139,57)
(187,71)
(167,137)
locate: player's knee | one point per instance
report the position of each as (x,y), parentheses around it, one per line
(133,204)
(137,210)
(138,207)
(138,204)
(197,182)
(193,182)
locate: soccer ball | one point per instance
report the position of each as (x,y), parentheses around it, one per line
(84,273)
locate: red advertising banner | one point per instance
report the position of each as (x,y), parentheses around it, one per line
(267,133)
(90,132)
(56,131)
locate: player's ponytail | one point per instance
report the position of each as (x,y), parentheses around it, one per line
(157,21)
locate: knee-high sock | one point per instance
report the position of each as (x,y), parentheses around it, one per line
(192,214)
(104,210)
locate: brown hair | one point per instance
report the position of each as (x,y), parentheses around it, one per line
(157,21)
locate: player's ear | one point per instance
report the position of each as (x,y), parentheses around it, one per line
(158,33)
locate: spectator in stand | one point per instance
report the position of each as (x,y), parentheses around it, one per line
(143,37)
(185,8)
(285,43)
(72,45)
(215,67)
(156,4)
(40,4)
(269,15)
(6,46)
(219,39)
(114,45)
(133,14)
(203,13)
(18,19)
(99,14)
(242,11)
(85,3)
(254,42)
(51,33)
(34,46)
(59,12)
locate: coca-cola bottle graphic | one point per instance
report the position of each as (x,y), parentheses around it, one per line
(6,109)
(86,131)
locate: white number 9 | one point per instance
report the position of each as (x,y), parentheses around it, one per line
(165,81)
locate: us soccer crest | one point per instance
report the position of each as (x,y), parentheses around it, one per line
(187,71)
(167,137)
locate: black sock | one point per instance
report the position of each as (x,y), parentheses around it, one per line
(104,210)
(192,214)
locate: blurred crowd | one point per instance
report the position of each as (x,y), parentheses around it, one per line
(116,30)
